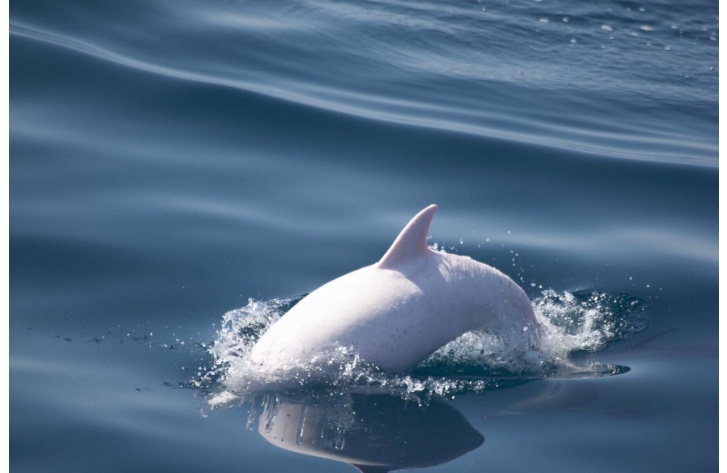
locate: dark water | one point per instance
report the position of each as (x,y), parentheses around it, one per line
(171,160)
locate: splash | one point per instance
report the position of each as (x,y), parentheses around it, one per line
(573,325)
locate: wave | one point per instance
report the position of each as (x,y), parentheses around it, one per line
(421,95)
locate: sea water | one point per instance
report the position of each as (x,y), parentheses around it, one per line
(182,172)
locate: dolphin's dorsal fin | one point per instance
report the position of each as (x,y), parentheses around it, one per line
(412,241)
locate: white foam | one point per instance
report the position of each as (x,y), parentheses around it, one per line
(569,323)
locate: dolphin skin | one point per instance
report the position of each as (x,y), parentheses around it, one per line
(398,311)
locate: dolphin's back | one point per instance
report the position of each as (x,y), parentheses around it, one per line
(398,311)
(396,317)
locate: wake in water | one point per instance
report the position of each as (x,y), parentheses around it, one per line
(572,326)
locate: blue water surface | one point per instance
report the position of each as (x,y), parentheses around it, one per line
(170,160)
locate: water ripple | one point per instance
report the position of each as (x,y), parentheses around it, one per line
(418,84)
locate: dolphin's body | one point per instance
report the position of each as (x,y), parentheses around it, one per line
(400,310)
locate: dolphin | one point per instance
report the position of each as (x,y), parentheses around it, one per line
(398,311)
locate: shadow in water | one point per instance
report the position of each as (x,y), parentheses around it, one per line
(374,433)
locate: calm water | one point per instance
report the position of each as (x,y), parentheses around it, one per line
(170,160)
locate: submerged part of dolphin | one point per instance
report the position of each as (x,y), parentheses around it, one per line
(397,312)
(375,433)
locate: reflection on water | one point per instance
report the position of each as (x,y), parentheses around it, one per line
(373,432)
